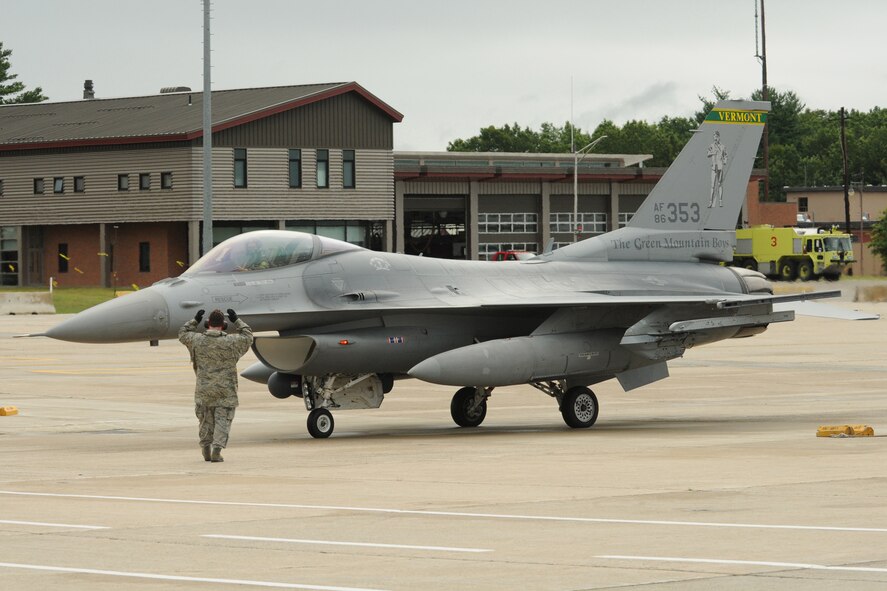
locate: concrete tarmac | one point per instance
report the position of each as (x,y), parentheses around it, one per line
(711,479)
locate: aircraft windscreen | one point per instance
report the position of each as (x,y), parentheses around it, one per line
(254,251)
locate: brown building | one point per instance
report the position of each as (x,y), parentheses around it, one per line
(110,191)
(824,207)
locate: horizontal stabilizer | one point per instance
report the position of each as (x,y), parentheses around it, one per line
(805,308)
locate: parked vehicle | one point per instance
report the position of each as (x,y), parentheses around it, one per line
(793,253)
(512,255)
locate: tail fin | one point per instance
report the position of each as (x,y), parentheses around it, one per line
(691,213)
(705,186)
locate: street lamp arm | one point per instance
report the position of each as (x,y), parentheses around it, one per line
(577,228)
(587,149)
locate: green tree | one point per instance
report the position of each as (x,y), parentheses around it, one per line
(805,146)
(664,139)
(513,138)
(878,244)
(12,91)
(718,94)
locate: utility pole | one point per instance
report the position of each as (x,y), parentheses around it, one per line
(765,95)
(846,173)
(207,137)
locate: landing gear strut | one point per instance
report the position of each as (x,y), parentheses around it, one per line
(469,406)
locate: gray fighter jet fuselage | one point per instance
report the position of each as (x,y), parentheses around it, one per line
(350,321)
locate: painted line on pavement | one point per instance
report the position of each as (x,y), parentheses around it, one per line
(102,371)
(456,513)
(42,524)
(134,575)
(801,565)
(362,544)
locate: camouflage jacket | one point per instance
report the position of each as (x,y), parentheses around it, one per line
(214,355)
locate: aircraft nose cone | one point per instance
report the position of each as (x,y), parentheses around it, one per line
(139,316)
(428,370)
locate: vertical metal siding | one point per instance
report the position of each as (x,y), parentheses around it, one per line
(269,196)
(346,121)
(101,201)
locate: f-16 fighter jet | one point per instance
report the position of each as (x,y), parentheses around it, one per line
(351,322)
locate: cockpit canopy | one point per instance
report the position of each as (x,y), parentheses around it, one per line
(266,249)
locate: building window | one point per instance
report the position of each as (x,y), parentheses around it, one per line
(1,187)
(240,167)
(144,257)
(624,218)
(591,223)
(323,169)
(166,180)
(348,169)
(58,184)
(63,257)
(9,255)
(79,184)
(802,204)
(144,181)
(507,223)
(356,232)
(38,186)
(295,169)
(123,182)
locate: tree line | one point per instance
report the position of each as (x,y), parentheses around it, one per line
(805,146)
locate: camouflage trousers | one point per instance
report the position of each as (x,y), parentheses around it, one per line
(215,424)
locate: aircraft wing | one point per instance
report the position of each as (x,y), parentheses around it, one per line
(720,300)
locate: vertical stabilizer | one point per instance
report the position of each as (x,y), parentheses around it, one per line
(691,213)
(705,186)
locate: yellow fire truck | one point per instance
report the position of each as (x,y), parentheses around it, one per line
(793,253)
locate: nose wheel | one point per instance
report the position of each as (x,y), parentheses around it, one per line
(579,407)
(320,423)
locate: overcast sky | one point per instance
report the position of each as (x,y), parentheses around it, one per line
(453,66)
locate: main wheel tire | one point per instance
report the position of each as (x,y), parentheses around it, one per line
(832,277)
(461,411)
(787,271)
(805,271)
(750,264)
(320,423)
(579,407)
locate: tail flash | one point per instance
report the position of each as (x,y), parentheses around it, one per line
(705,186)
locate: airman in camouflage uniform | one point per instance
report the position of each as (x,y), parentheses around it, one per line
(214,355)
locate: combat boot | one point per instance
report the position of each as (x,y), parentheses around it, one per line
(217,454)
(206,453)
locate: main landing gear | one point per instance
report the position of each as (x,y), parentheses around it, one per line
(579,407)
(469,406)
(578,404)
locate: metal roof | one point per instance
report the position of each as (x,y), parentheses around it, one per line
(159,117)
(526,159)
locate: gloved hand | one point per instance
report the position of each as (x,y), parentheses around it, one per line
(199,316)
(232,315)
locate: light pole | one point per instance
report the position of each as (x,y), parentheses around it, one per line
(862,219)
(577,227)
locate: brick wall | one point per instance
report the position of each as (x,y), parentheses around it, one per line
(168,243)
(777,214)
(83,259)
